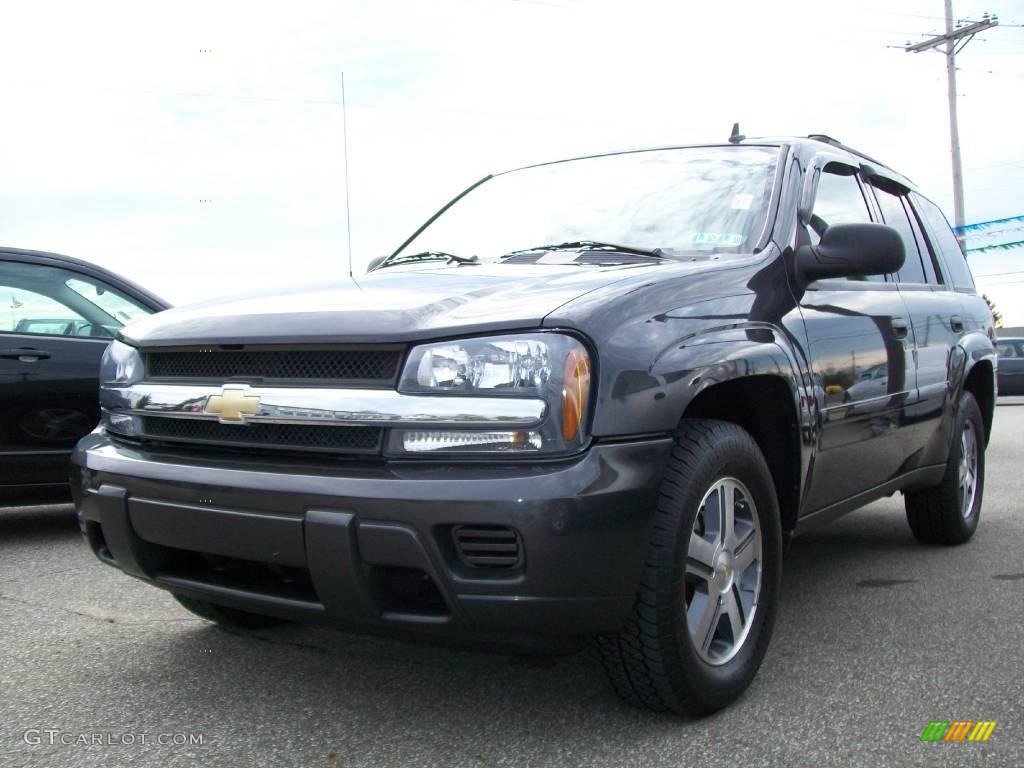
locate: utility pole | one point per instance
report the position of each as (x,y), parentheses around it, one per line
(954,41)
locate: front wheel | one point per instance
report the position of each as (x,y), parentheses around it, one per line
(948,513)
(706,605)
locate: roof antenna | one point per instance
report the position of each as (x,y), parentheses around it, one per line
(736,137)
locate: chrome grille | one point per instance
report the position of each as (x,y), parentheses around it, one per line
(299,437)
(346,367)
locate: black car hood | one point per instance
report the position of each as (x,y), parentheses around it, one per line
(391,305)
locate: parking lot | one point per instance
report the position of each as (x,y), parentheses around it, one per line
(877,636)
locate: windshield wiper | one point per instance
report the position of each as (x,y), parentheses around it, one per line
(593,245)
(427,256)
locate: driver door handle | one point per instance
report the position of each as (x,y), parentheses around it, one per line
(24,354)
(899,327)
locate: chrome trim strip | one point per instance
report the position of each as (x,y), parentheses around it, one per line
(340,407)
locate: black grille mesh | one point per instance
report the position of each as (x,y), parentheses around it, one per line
(350,366)
(299,437)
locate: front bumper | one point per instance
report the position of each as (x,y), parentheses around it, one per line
(373,546)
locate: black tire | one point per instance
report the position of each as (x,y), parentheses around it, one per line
(937,515)
(653,662)
(226,617)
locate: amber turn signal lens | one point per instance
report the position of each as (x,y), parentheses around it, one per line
(575,389)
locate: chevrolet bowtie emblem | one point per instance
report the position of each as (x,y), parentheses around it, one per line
(232,405)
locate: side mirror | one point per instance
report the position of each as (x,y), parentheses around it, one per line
(852,250)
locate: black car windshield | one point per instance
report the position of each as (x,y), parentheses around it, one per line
(685,201)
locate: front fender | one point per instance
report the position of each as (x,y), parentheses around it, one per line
(654,400)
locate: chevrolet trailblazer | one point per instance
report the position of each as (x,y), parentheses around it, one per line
(588,399)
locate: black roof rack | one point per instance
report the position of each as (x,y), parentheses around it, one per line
(891,174)
(825,139)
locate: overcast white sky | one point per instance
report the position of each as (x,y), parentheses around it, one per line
(119,118)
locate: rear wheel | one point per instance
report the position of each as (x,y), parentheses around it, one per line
(706,605)
(948,513)
(227,617)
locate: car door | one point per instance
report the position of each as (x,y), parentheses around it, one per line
(860,351)
(933,306)
(54,326)
(1011,366)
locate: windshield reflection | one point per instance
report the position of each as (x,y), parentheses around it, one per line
(692,200)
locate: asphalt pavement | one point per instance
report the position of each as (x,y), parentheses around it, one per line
(877,636)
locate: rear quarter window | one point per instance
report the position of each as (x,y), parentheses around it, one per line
(945,245)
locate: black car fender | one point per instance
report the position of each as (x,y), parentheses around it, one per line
(654,400)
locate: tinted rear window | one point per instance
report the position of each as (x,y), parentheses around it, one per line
(945,244)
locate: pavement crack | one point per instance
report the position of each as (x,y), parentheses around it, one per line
(884,582)
(271,641)
(31,604)
(1009,576)
(104,619)
(49,573)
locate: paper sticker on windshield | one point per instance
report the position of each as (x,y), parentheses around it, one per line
(726,239)
(558,257)
(742,202)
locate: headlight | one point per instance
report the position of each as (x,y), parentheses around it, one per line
(549,366)
(120,365)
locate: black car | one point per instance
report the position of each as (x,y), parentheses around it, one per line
(1011,365)
(588,399)
(57,315)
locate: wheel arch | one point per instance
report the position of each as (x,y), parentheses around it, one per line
(763,405)
(977,367)
(746,374)
(980,382)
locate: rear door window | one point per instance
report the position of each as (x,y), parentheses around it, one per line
(895,214)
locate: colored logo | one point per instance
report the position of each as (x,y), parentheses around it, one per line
(958,730)
(233,404)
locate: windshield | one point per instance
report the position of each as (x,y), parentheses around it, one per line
(687,201)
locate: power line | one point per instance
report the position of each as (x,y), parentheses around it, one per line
(1001,274)
(997,186)
(898,13)
(330,102)
(1000,164)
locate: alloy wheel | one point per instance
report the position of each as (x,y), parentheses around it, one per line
(723,571)
(968,484)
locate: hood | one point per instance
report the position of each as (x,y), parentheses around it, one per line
(392,305)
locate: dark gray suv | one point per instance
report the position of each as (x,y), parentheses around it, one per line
(588,399)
